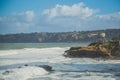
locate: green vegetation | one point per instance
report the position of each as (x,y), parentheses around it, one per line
(112,46)
(76,36)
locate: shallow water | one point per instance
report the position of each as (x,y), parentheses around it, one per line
(12,63)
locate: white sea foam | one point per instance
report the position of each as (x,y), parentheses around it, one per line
(25,55)
(52,56)
(55,50)
(81,76)
(8,52)
(23,73)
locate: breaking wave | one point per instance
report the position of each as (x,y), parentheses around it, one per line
(23,73)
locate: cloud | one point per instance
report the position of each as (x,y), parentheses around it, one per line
(80,17)
(79,10)
(27,16)
(93,22)
(17,22)
(59,18)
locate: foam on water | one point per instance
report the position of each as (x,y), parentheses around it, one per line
(23,73)
(78,76)
(31,55)
(53,57)
(8,52)
(54,50)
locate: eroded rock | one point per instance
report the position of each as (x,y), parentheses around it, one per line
(109,49)
(87,51)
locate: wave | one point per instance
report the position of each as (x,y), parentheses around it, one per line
(51,55)
(8,52)
(23,73)
(32,50)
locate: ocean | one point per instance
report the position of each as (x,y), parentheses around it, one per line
(14,57)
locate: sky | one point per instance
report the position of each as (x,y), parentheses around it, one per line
(26,16)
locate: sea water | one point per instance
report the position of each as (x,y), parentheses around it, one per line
(14,57)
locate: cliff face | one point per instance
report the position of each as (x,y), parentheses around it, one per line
(110,49)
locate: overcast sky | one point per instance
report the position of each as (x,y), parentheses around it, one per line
(25,16)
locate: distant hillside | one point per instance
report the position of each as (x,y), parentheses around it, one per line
(79,36)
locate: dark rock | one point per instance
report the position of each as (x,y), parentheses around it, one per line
(116,51)
(7,72)
(46,67)
(26,65)
(20,67)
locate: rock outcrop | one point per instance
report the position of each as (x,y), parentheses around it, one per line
(109,49)
(87,51)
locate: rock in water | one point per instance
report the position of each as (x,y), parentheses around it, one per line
(46,67)
(7,72)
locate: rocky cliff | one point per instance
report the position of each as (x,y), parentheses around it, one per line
(109,49)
